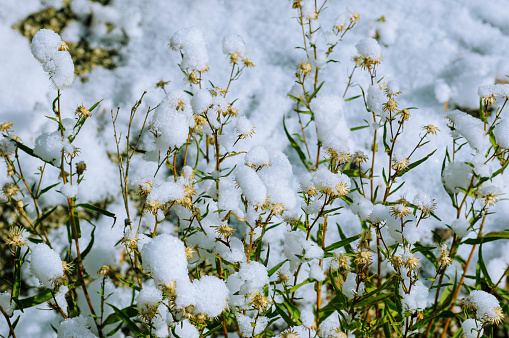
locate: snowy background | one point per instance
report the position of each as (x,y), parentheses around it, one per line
(425,44)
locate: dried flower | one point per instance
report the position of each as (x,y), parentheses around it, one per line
(288,333)
(443,260)
(405,115)
(224,230)
(82,111)
(282,276)
(161,84)
(391,106)
(6,127)
(258,301)
(10,190)
(63,47)
(489,100)
(363,257)
(355,18)
(234,58)
(104,270)
(130,239)
(399,162)
(81,167)
(17,237)
(411,262)
(400,210)
(340,261)
(248,63)
(359,157)
(304,68)
(430,129)
(189,253)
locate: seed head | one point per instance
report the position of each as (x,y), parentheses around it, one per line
(282,277)
(359,157)
(341,261)
(304,68)
(6,127)
(17,237)
(189,253)
(258,301)
(248,63)
(400,210)
(130,239)
(399,163)
(288,333)
(411,262)
(63,47)
(224,230)
(390,106)
(82,111)
(234,58)
(10,190)
(430,129)
(81,167)
(363,257)
(443,260)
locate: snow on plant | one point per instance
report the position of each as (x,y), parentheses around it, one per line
(215,241)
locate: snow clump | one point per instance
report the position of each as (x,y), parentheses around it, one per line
(49,49)
(486,306)
(470,128)
(192,45)
(46,265)
(75,327)
(369,48)
(416,299)
(69,190)
(350,289)
(164,257)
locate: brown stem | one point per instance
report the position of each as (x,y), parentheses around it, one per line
(456,294)
(11,329)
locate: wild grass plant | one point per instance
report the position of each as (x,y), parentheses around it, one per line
(222,242)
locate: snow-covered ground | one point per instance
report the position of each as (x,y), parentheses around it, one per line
(428,47)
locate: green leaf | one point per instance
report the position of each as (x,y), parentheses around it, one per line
(275,268)
(480,261)
(351,172)
(95,105)
(101,211)
(489,237)
(358,128)
(16,288)
(316,91)
(295,146)
(353,98)
(124,315)
(296,287)
(89,246)
(299,101)
(47,189)
(415,164)
(54,105)
(342,243)
(369,299)
(39,298)
(30,151)
(130,284)
(283,315)
(212,330)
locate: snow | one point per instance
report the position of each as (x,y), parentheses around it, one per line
(46,265)
(455,53)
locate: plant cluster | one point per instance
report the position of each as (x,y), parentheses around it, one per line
(221,242)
